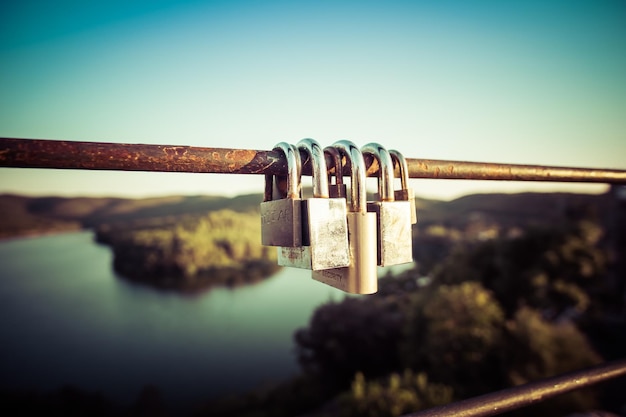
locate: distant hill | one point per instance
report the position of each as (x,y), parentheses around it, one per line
(469,220)
(17,218)
(21,215)
(512,210)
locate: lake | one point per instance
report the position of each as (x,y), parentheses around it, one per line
(67,319)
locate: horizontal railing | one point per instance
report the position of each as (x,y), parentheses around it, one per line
(37,153)
(534,392)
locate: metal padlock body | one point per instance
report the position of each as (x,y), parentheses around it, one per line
(324,224)
(281,219)
(325,243)
(360,277)
(393,218)
(405,193)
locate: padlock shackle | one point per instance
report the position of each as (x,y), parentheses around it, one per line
(319,172)
(385,169)
(402,166)
(337,164)
(294,169)
(354,157)
(269,187)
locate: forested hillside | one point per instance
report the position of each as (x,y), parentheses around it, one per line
(506,289)
(191,252)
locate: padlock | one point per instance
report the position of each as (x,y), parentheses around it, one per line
(281,219)
(393,218)
(360,277)
(405,193)
(324,224)
(338,189)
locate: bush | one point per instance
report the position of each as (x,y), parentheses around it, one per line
(393,396)
(538,349)
(356,335)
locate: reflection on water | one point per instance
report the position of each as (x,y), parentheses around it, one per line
(66,319)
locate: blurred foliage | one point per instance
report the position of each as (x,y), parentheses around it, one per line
(559,271)
(355,335)
(497,313)
(219,248)
(455,333)
(411,352)
(538,348)
(392,396)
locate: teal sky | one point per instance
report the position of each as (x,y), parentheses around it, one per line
(531,82)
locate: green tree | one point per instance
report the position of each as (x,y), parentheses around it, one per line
(455,334)
(550,269)
(537,349)
(355,335)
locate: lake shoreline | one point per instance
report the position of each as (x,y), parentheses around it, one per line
(43,233)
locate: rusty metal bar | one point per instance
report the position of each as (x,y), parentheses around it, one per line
(37,153)
(524,395)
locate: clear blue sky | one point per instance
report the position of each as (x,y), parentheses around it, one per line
(532,82)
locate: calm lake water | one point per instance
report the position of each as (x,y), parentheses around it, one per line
(67,319)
